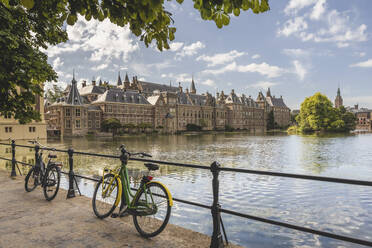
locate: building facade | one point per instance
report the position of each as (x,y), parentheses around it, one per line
(161,107)
(11,129)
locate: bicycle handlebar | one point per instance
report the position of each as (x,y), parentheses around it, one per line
(122,148)
(35,142)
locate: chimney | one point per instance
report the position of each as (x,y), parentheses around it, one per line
(218,95)
(179,86)
(187,90)
(356,106)
(281,96)
(94,82)
(84,83)
(232,91)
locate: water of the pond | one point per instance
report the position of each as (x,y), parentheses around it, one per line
(342,209)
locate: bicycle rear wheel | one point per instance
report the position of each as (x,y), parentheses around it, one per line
(104,196)
(153,207)
(51,182)
(31,180)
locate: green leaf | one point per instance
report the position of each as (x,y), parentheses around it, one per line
(71,19)
(236,11)
(28,4)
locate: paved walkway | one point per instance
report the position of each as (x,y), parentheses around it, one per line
(28,220)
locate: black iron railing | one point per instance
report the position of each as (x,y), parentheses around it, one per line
(216,210)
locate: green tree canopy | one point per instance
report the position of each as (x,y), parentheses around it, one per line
(28,25)
(111,124)
(318,114)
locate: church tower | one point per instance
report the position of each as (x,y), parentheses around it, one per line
(192,87)
(338,100)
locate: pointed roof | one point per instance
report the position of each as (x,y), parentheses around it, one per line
(192,87)
(338,92)
(100,82)
(126,80)
(119,80)
(268,93)
(73,96)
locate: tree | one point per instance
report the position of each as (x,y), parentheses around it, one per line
(318,114)
(53,94)
(270,121)
(26,26)
(111,124)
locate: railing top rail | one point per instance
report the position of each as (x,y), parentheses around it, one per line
(227,169)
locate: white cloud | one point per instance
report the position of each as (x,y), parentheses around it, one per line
(100,67)
(263,69)
(191,49)
(182,77)
(175,46)
(256,56)
(293,26)
(299,69)
(365,64)
(336,27)
(297,52)
(208,82)
(296,5)
(318,10)
(57,63)
(262,85)
(220,58)
(103,40)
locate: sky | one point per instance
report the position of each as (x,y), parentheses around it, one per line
(297,48)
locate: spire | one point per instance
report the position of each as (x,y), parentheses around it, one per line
(192,87)
(73,96)
(268,93)
(126,79)
(73,77)
(119,80)
(100,82)
(338,91)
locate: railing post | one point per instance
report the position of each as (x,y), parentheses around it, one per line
(216,241)
(71,191)
(13,173)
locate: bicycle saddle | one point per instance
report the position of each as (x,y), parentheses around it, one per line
(152,166)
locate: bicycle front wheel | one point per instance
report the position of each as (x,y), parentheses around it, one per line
(31,180)
(104,196)
(153,208)
(51,182)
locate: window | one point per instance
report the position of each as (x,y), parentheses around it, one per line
(77,111)
(67,112)
(97,124)
(8,129)
(31,129)
(89,124)
(7,115)
(77,124)
(108,108)
(97,114)
(68,124)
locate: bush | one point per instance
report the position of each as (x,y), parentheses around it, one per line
(193,127)
(229,128)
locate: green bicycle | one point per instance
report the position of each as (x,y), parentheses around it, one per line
(150,205)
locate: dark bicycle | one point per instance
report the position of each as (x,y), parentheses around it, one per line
(48,176)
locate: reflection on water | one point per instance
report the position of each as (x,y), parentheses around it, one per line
(330,207)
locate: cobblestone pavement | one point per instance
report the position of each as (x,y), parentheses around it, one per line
(28,220)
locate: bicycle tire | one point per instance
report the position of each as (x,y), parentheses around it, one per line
(149,225)
(103,206)
(52,178)
(28,178)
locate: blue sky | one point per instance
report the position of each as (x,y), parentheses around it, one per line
(297,48)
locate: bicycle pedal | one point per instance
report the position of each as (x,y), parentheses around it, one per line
(114,215)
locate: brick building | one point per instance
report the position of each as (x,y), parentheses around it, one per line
(162,107)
